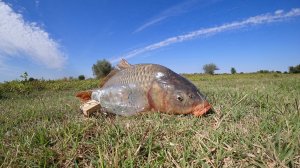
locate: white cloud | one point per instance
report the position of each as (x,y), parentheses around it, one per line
(278,12)
(151,22)
(21,38)
(172,11)
(277,16)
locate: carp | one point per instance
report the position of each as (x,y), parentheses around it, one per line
(131,89)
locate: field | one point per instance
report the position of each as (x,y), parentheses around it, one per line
(256,123)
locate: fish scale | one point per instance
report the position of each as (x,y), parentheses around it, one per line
(126,92)
(141,74)
(143,87)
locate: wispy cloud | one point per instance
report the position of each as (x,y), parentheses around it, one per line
(278,15)
(21,38)
(172,11)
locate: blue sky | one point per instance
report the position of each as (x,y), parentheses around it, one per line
(55,39)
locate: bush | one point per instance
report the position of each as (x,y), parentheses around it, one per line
(263,71)
(31,79)
(81,77)
(210,68)
(101,68)
(24,76)
(295,69)
(233,71)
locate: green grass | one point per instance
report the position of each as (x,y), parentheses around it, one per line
(256,123)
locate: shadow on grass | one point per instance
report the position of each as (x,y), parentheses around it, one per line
(209,112)
(100,114)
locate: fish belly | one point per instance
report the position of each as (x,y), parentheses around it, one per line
(122,99)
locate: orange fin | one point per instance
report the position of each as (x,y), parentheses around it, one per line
(84,96)
(123,64)
(105,79)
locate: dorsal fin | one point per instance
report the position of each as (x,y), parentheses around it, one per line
(84,96)
(105,79)
(123,64)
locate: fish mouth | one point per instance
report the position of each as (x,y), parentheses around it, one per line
(201,109)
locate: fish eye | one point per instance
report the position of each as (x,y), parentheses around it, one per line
(190,96)
(179,98)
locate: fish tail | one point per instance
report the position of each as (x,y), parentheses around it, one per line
(84,95)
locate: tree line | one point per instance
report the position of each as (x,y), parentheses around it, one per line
(103,67)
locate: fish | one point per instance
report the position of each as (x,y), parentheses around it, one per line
(131,89)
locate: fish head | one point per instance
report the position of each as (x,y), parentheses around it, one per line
(174,94)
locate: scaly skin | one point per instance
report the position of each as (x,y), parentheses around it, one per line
(145,87)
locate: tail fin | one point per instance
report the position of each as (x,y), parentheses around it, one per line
(84,95)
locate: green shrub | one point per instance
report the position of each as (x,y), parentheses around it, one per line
(210,68)
(263,71)
(233,71)
(102,68)
(294,69)
(31,79)
(81,77)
